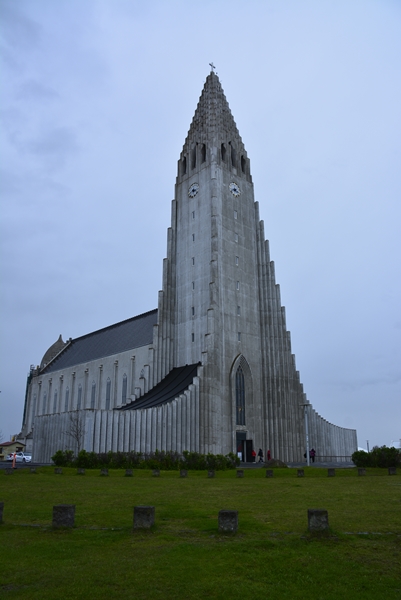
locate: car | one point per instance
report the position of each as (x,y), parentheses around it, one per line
(21,457)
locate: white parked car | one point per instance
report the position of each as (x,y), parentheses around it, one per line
(21,457)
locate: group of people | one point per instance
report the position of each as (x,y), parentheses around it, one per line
(312,454)
(260,455)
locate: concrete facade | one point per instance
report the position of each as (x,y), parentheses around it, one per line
(219,307)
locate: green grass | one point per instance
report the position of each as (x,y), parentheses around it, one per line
(184,556)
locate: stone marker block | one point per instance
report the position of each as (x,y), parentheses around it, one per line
(301,473)
(144,517)
(63,515)
(156,472)
(228,521)
(211,474)
(318,519)
(32,469)
(80,471)
(58,471)
(269,472)
(331,472)
(9,471)
(183,473)
(104,472)
(129,473)
(361,472)
(240,472)
(392,470)
(1,511)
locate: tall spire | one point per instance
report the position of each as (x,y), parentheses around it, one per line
(213,127)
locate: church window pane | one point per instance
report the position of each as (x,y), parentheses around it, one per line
(124,391)
(44,403)
(239,336)
(235,214)
(233,157)
(34,405)
(236,237)
(184,165)
(193,337)
(203,153)
(193,311)
(193,260)
(108,393)
(243,164)
(193,158)
(55,402)
(93,394)
(66,399)
(237,261)
(240,396)
(237,285)
(193,214)
(238,310)
(79,401)
(193,237)
(193,285)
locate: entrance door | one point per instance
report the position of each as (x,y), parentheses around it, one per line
(241,445)
(248,450)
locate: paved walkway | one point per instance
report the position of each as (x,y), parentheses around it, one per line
(301,465)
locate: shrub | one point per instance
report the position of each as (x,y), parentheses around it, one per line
(382,457)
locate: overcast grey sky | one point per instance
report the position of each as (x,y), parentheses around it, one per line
(97,98)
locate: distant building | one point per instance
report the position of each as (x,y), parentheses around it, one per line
(209,370)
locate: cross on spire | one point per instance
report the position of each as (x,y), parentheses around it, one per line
(212,67)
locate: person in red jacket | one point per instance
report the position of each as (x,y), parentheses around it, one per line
(268,455)
(253,455)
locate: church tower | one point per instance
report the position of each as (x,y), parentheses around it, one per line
(219,296)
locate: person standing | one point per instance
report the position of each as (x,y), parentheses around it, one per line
(253,455)
(260,454)
(14,459)
(268,455)
(312,454)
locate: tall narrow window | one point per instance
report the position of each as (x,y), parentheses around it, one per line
(240,396)
(236,237)
(243,164)
(193,260)
(193,214)
(193,237)
(237,285)
(55,402)
(236,261)
(239,336)
(124,392)
(108,393)
(193,157)
(233,157)
(193,285)
(44,403)
(79,401)
(66,399)
(238,310)
(235,214)
(184,165)
(203,153)
(193,311)
(223,152)
(93,394)
(193,337)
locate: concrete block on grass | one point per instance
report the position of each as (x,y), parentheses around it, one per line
(156,472)
(211,474)
(318,519)
(240,472)
(361,472)
(228,521)
(144,517)
(80,471)
(331,472)
(269,472)
(183,473)
(129,473)
(63,515)
(392,471)
(301,473)
(58,471)
(104,472)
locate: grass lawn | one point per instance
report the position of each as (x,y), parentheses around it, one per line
(183,556)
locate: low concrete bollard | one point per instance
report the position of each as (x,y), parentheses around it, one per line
(1,511)
(129,473)
(269,472)
(392,470)
(104,472)
(58,471)
(211,474)
(240,472)
(63,515)
(183,473)
(9,471)
(80,471)
(228,521)
(301,473)
(318,519)
(32,469)
(361,472)
(144,517)
(331,472)
(156,472)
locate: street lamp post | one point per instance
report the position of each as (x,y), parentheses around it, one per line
(306,432)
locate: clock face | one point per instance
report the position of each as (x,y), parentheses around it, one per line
(193,190)
(234,189)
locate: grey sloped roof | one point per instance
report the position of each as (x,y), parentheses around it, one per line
(174,384)
(126,335)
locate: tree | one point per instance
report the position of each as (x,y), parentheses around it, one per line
(76,429)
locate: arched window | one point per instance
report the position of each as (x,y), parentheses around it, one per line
(93,394)
(124,391)
(108,393)
(79,401)
(67,396)
(240,396)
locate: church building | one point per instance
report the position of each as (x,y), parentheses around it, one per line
(209,370)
